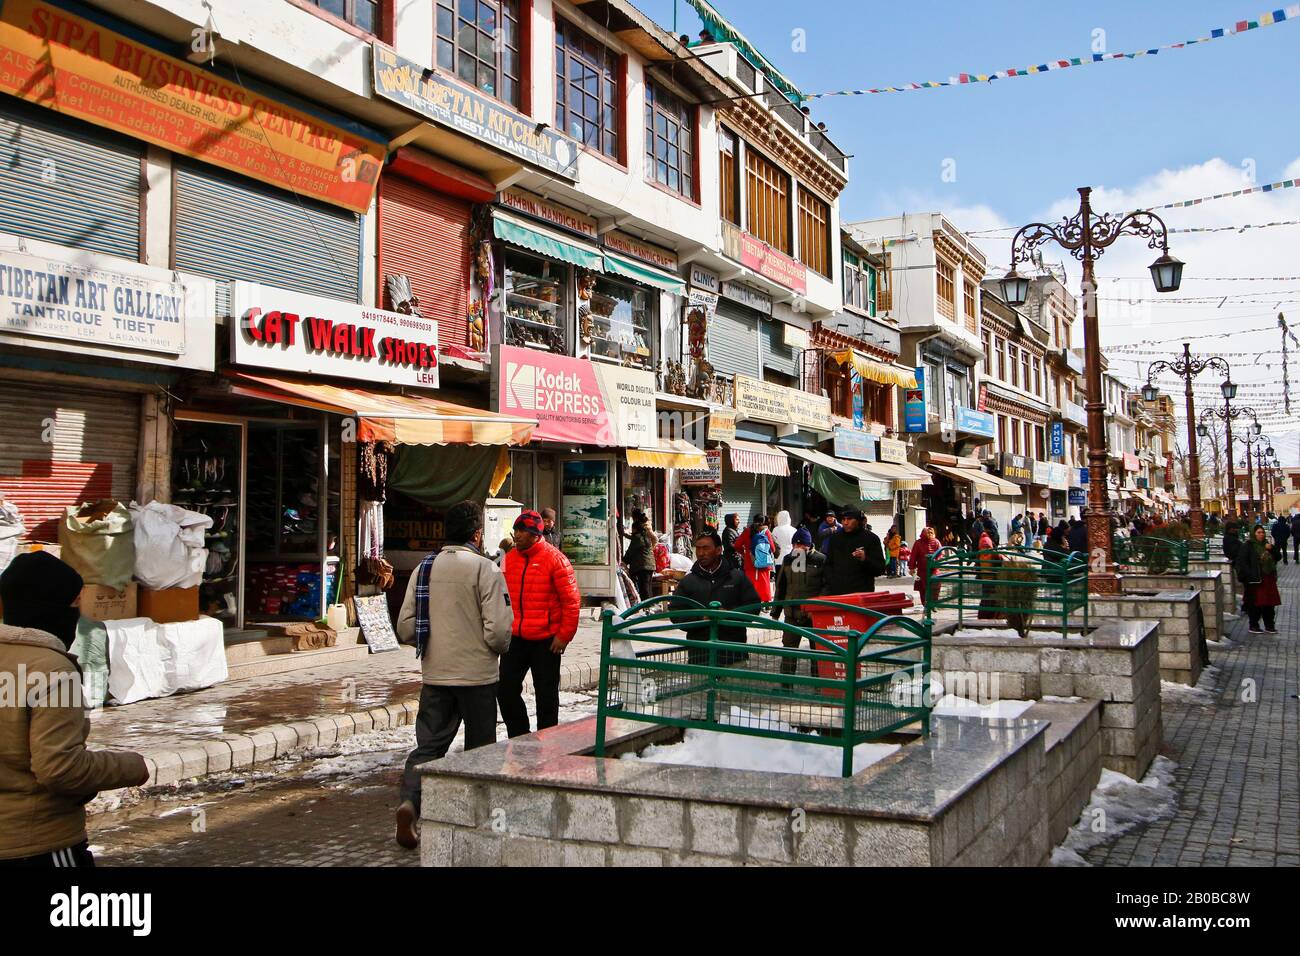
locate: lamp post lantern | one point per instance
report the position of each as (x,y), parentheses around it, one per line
(1086,236)
(1188,368)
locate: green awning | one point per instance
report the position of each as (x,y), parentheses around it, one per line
(545,242)
(628,269)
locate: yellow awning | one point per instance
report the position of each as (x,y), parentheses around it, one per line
(671,453)
(982,481)
(873,371)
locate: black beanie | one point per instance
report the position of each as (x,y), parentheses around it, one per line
(38,590)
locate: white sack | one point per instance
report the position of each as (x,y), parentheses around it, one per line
(135,664)
(169,545)
(11,531)
(193,653)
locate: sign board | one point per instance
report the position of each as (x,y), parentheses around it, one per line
(975,423)
(1131,462)
(530,204)
(1078,496)
(914,412)
(1052,474)
(1169,473)
(893,451)
(747,296)
(1057,432)
(753,253)
(854,445)
(376,623)
(575,400)
(765,401)
(636,248)
(983,404)
(584,512)
(1017,468)
(445,101)
(1142,482)
(1085,476)
(859,398)
(709,475)
(794,336)
(79,67)
(703,279)
(722,424)
(55,298)
(296,332)
(871,490)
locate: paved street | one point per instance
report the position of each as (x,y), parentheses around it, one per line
(1237,760)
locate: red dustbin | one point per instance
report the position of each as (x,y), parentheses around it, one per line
(886,602)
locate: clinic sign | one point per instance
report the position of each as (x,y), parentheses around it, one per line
(50,298)
(295,332)
(446,102)
(575,400)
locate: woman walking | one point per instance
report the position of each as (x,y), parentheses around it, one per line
(640,556)
(783,534)
(758,550)
(919,562)
(893,541)
(1256,567)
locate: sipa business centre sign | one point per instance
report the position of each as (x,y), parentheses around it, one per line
(575,400)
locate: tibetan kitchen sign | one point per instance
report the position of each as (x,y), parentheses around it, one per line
(753,253)
(766,402)
(296,332)
(445,101)
(575,400)
(81,68)
(57,299)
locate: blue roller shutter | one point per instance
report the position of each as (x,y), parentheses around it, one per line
(65,181)
(230,227)
(733,340)
(776,354)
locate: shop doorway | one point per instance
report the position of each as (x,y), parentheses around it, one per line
(208,477)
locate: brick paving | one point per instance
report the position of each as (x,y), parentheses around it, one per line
(1238,766)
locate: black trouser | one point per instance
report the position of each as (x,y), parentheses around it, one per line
(790,665)
(78,856)
(1295,547)
(1279,544)
(642,581)
(441,711)
(1255,612)
(525,656)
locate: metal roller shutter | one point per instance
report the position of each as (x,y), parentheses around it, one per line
(743,494)
(231,227)
(64,446)
(776,354)
(68,182)
(733,340)
(425,235)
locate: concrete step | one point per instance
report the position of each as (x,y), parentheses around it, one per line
(297,660)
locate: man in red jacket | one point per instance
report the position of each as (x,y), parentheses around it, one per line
(544,595)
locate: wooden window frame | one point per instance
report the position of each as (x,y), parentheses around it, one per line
(729,177)
(383,13)
(658,98)
(1013,361)
(986,339)
(945,278)
(1026,366)
(885,284)
(521,15)
(814,224)
(571,42)
(774,206)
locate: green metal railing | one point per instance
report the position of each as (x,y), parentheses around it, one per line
(668,661)
(1198,549)
(1018,584)
(1150,554)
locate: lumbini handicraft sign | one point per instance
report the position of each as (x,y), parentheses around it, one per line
(63,300)
(295,332)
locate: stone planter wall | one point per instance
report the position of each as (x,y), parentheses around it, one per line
(1182,625)
(1214,602)
(1231,593)
(1117,663)
(1073,760)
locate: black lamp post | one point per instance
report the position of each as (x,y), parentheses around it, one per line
(1228,415)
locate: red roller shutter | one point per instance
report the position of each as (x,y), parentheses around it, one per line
(425,235)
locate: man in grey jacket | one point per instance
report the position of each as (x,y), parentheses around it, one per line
(460,653)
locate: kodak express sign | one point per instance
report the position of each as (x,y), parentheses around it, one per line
(67,63)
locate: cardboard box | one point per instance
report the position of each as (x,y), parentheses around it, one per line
(102,603)
(170,605)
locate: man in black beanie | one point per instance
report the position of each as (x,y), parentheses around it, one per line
(47,775)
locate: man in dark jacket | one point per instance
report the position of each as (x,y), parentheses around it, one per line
(829,527)
(730,532)
(854,557)
(1077,536)
(800,576)
(1281,532)
(1295,537)
(550,532)
(713,578)
(1231,540)
(991,526)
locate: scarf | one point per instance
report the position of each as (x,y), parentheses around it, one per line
(1267,563)
(422,628)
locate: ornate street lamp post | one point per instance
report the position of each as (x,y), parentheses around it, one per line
(1086,236)
(1228,415)
(1188,368)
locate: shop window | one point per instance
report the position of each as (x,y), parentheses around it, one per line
(478,41)
(877,402)
(767,191)
(839,387)
(729,176)
(1038,376)
(669,140)
(885,284)
(1015,365)
(206,460)
(619,320)
(988,353)
(969,303)
(814,233)
(362,14)
(587,101)
(946,274)
(1001,346)
(536,296)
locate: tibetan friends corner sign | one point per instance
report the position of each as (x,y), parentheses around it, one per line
(295,332)
(80,68)
(462,108)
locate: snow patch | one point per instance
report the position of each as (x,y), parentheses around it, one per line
(1204,694)
(1006,632)
(1052,699)
(1118,805)
(712,748)
(952,706)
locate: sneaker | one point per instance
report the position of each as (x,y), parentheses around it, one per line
(1270,630)
(408,836)
(1254,630)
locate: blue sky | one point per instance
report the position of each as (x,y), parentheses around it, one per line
(1179,125)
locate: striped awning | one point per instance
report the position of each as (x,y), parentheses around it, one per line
(671,453)
(873,371)
(904,476)
(401,419)
(755,459)
(981,481)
